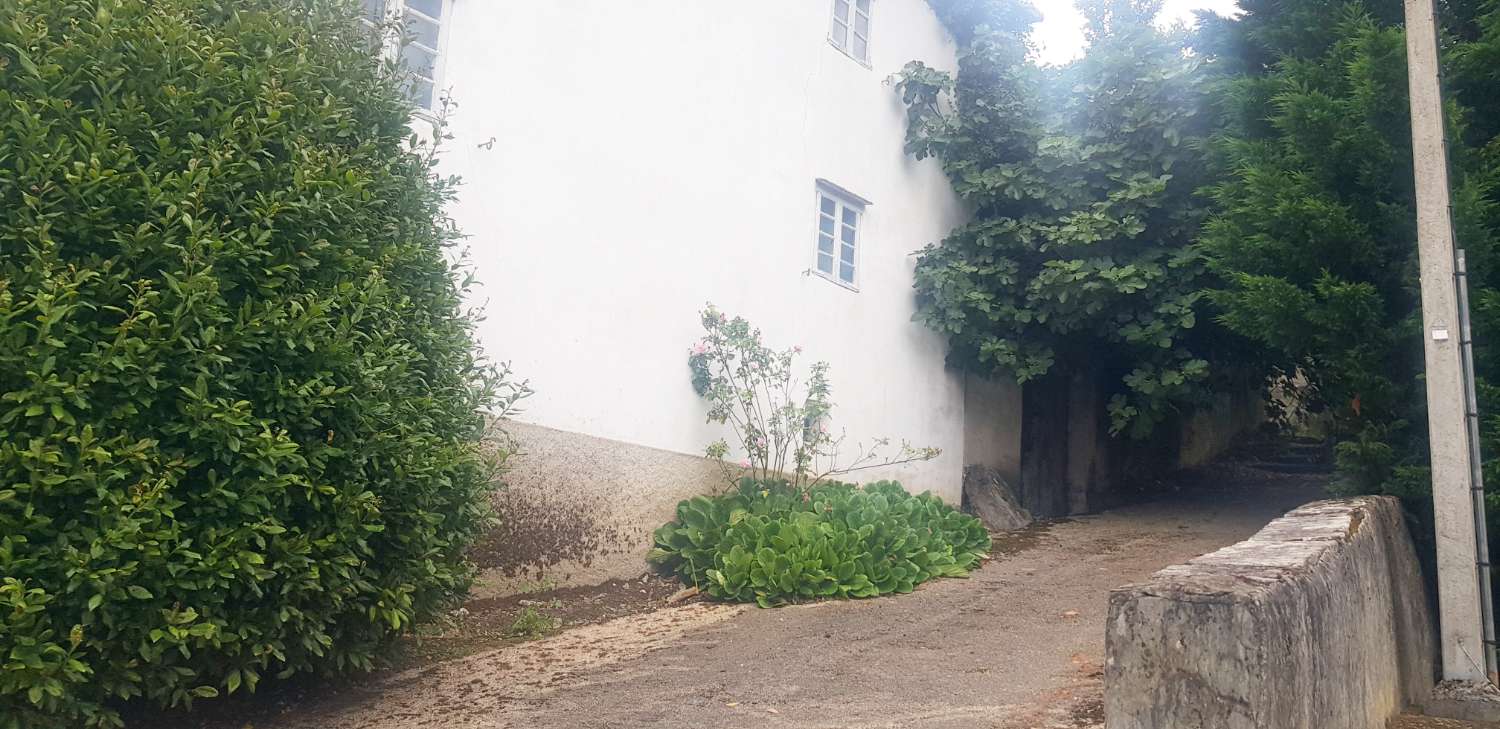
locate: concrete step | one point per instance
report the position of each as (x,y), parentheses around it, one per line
(1318,448)
(1294,458)
(1291,466)
(1290,456)
(1282,446)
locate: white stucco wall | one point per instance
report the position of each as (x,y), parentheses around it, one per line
(653,155)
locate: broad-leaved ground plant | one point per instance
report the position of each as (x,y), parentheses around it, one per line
(772,543)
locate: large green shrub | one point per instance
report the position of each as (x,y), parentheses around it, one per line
(774,543)
(238,395)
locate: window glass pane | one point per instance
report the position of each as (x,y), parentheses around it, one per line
(418,61)
(841,11)
(863,5)
(846,273)
(862,25)
(850,217)
(422,93)
(839,34)
(861,49)
(825,225)
(825,244)
(827,205)
(825,263)
(848,235)
(422,31)
(430,8)
(846,254)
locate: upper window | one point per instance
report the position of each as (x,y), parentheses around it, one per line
(840,215)
(850,30)
(421,22)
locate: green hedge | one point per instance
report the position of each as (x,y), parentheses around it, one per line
(237,393)
(771,544)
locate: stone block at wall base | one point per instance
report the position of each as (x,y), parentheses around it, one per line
(989,497)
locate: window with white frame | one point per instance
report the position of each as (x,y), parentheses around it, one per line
(840,214)
(421,23)
(850,30)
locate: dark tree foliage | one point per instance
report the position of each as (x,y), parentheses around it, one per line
(1314,229)
(238,396)
(1473,76)
(1313,234)
(1083,181)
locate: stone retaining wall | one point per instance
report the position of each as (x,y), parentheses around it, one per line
(1319,621)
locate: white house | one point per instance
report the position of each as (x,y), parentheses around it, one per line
(627,161)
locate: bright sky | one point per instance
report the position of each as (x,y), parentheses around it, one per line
(1060,34)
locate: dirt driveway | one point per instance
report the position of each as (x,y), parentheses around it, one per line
(1019,645)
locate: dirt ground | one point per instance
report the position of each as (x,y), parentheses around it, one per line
(1423,722)
(483,624)
(1018,645)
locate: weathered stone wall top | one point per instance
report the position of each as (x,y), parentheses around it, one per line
(1320,620)
(1284,550)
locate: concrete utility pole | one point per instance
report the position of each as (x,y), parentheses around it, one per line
(1462,629)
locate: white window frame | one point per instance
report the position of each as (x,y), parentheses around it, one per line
(843,200)
(392,46)
(845,41)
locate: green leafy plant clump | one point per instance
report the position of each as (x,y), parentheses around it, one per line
(772,543)
(239,399)
(532,624)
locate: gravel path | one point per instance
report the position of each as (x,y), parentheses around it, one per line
(1019,645)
